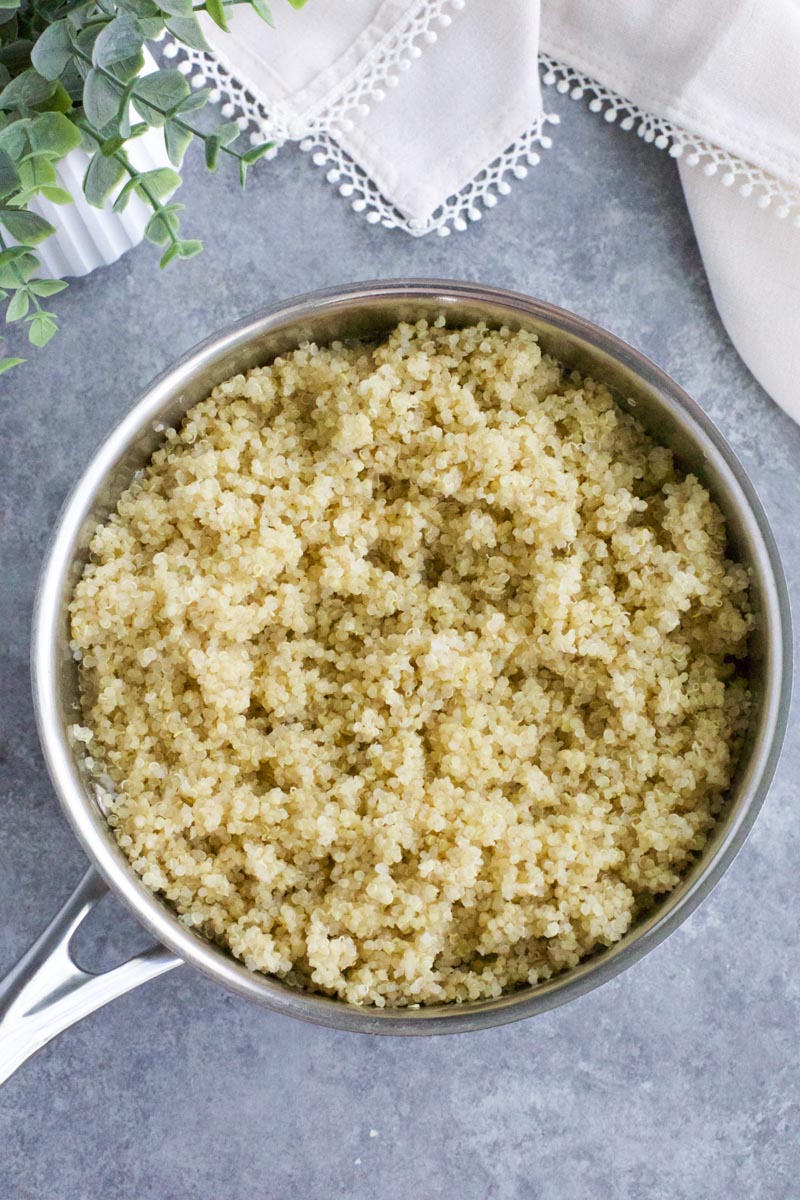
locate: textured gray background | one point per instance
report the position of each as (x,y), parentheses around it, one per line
(678,1079)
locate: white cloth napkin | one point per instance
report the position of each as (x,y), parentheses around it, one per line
(427,147)
(421,111)
(421,96)
(727,71)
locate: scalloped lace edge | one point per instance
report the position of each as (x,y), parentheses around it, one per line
(768,191)
(381,70)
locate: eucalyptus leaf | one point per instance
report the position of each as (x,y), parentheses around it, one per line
(41,329)
(103,175)
(102,99)
(26,90)
(195,100)
(121,39)
(140,8)
(176,8)
(161,227)
(53,50)
(127,69)
(46,287)
(14,138)
(158,95)
(9,175)
(7,363)
(24,226)
(216,10)
(263,10)
(35,174)
(188,31)
(186,249)
(177,141)
(54,134)
(10,4)
(56,195)
(60,101)
(151,27)
(121,202)
(161,183)
(16,264)
(18,306)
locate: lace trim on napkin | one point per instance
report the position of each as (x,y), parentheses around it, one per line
(752,182)
(457,211)
(380,71)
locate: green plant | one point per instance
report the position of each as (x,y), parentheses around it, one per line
(70,75)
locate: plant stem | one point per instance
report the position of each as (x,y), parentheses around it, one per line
(164,112)
(23,283)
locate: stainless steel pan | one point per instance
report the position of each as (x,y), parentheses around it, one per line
(46,991)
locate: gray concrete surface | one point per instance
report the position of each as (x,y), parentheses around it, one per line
(678,1079)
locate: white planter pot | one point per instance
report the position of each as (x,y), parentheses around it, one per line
(88,237)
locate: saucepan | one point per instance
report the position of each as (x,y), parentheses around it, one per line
(47,991)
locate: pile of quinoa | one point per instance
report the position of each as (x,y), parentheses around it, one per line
(411,668)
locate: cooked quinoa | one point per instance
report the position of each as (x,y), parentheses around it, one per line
(412,666)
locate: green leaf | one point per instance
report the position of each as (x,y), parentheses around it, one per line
(26,227)
(34,175)
(41,329)
(198,99)
(54,134)
(128,68)
(14,138)
(56,195)
(46,287)
(186,249)
(10,4)
(139,8)
(250,157)
(189,248)
(176,8)
(211,150)
(59,102)
(151,27)
(297,3)
(27,90)
(121,39)
(102,99)
(161,182)
(111,146)
(227,133)
(168,255)
(122,199)
(263,10)
(9,175)
(103,175)
(16,264)
(216,10)
(53,50)
(161,227)
(7,363)
(177,141)
(188,31)
(223,136)
(18,306)
(164,91)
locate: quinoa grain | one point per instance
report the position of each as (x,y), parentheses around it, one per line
(413,665)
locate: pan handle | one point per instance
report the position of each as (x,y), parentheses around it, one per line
(46,991)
